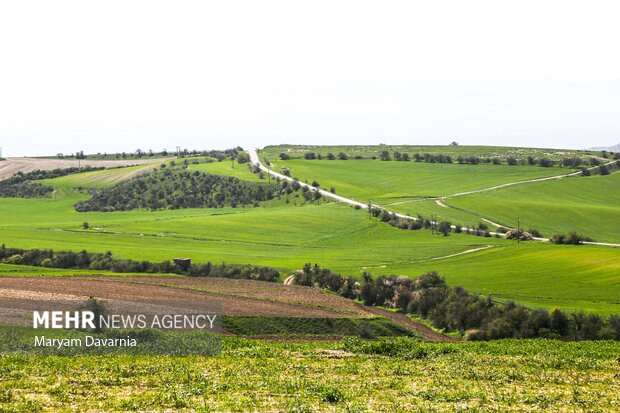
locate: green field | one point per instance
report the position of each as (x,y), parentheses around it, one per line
(374,179)
(286,236)
(590,205)
(98,179)
(398,376)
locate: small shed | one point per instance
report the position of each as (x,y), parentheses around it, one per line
(183,263)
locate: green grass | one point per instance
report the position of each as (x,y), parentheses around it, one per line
(374,179)
(96,179)
(537,275)
(590,205)
(286,236)
(240,171)
(297,151)
(401,376)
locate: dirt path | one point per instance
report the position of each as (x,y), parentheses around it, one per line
(477,191)
(461,253)
(256,161)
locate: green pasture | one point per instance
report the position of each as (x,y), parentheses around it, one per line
(336,236)
(590,205)
(96,179)
(227,167)
(374,179)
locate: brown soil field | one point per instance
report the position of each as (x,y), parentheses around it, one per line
(236,297)
(11,166)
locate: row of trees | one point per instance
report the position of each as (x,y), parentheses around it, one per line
(572,238)
(96,261)
(455,309)
(231,153)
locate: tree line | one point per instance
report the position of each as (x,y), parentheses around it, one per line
(454,309)
(85,260)
(385,155)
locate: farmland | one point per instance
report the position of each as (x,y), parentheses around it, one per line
(367,151)
(590,205)
(400,376)
(286,236)
(373,179)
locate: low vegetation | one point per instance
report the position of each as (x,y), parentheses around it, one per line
(94,261)
(455,309)
(399,376)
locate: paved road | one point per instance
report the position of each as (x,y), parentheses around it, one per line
(256,161)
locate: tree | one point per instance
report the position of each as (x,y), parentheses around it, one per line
(284,156)
(397,156)
(511,161)
(85,225)
(444,228)
(603,170)
(310,155)
(343,156)
(384,156)
(315,184)
(405,157)
(331,156)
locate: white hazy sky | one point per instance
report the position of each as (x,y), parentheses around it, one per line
(122,75)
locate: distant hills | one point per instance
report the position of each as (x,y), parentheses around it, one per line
(615,148)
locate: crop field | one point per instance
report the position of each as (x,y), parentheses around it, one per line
(98,179)
(11,166)
(374,179)
(590,205)
(237,297)
(287,236)
(384,376)
(367,151)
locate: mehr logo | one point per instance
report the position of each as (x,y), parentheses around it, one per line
(64,319)
(86,319)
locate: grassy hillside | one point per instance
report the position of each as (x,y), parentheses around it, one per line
(586,204)
(98,179)
(286,236)
(374,179)
(297,151)
(397,376)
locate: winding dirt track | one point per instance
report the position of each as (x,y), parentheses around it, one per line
(256,161)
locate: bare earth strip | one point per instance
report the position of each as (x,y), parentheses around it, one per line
(20,295)
(11,166)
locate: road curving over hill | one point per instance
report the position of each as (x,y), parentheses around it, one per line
(256,161)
